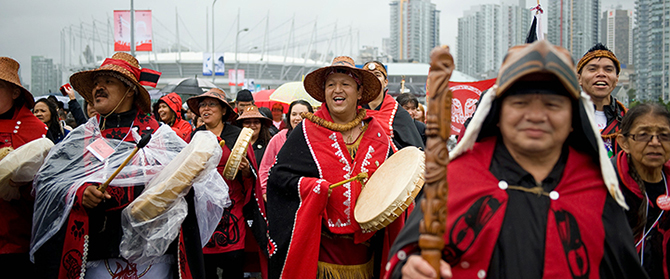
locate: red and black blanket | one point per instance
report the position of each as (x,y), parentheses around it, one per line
(586,235)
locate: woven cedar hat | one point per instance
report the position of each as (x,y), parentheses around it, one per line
(194,103)
(538,58)
(315,81)
(252,112)
(9,72)
(127,67)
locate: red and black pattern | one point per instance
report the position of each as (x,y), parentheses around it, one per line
(16,216)
(583,239)
(467,227)
(299,203)
(231,230)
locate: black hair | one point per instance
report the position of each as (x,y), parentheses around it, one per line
(290,109)
(598,46)
(52,124)
(158,117)
(264,135)
(405,98)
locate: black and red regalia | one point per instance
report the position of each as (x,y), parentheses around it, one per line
(18,126)
(312,230)
(576,231)
(231,233)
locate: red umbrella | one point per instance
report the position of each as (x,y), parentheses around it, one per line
(262,99)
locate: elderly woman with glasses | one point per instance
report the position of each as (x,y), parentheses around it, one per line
(225,248)
(643,172)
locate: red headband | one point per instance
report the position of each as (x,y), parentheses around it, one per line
(346,72)
(145,76)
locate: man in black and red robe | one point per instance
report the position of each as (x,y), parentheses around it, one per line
(312,229)
(531,193)
(78,230)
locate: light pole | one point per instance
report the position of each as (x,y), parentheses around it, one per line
(213,62)
(132,28)
(249,50)
(234,87)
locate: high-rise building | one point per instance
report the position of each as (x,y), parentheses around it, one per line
(485,32)
(616,32)
(414,30)
(573,24)
(651,45)
(45,76)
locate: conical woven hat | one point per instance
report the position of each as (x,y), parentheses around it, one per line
(9,72)
(125,65)
(315,81)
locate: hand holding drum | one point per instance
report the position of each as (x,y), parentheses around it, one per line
(21,165)
(175,179)
(391,189)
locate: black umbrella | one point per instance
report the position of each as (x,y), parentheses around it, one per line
(188,86)
(417,90)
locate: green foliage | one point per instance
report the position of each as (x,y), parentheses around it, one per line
(666,105)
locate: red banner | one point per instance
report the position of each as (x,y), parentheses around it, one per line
(143,35)
(464,101)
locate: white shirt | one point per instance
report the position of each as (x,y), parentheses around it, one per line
(601,120)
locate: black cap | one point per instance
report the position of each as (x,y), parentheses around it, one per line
(244,96)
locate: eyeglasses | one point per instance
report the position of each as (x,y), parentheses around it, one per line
(210,104)
(644,137)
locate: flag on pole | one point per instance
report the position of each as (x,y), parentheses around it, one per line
(535,32)
(464,101)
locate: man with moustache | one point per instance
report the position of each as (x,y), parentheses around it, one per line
(77,228)
(598,73)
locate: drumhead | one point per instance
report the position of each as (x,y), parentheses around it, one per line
(239,151)
(391,189)
(21,165)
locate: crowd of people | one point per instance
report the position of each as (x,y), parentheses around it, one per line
(552,178)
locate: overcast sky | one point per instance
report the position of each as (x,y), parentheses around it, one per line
(33,27)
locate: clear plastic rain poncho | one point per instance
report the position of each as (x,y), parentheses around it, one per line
(69,165)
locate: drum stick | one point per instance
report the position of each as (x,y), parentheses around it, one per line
(438,126)
(143,142)
(359,177)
